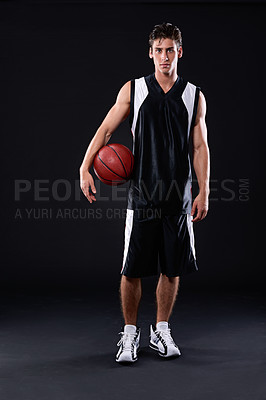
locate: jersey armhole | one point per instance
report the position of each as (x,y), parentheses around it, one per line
(132,96)
(195,108)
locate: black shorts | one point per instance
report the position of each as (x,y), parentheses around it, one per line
(158,243)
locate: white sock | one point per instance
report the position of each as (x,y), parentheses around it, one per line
(130,328)
(162,326)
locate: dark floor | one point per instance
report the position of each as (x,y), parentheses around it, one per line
(63,347)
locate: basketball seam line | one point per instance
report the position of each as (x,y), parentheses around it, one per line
(110,168)
(119,158)
(109,180)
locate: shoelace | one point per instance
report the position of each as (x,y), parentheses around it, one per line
(126,340)
(166,335)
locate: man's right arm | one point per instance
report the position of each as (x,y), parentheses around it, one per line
(117,114)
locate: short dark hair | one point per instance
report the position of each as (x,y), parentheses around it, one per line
(165,30)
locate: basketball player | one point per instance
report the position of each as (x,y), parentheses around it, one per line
(165,111)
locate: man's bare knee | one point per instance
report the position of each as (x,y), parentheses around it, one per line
(170,279)
(173,279)
(129,279)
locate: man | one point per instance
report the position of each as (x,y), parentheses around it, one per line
(164,112)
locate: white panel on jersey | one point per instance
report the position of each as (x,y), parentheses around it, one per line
(128,229)
(191,234)
(141,92)
(188,98)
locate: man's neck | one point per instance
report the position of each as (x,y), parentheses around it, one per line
(166,80)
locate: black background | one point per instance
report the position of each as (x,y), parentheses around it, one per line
(62,65)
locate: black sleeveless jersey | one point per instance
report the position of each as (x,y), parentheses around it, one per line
(161,124)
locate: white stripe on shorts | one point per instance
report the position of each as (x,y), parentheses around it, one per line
(128,229)
(191,234)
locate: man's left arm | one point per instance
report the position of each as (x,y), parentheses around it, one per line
(201,162)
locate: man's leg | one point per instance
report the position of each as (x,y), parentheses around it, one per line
(130,295)
(166,293)
(160,336)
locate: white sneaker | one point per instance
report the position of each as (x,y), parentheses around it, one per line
(163,342)
(129,346)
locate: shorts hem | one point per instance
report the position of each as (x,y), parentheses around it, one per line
(139,276)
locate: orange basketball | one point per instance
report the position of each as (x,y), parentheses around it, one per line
(113,164)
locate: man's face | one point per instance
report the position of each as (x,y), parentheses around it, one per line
(165,55)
